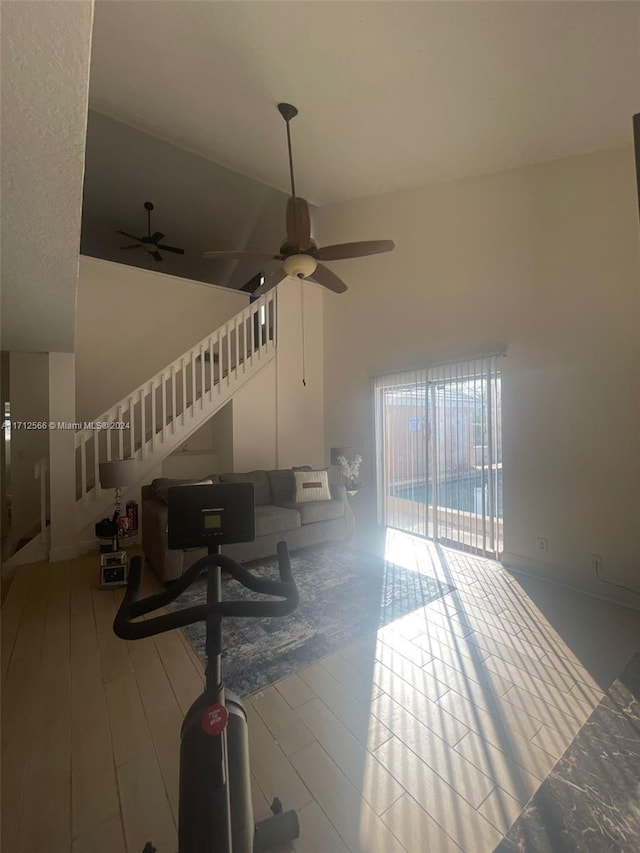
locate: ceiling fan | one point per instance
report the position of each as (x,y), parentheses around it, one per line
(299,253)
(151,243)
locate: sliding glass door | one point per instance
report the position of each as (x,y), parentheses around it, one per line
(439,453)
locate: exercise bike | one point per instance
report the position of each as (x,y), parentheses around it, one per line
(215,805)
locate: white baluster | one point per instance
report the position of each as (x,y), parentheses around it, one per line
(271,318)
(153,417)
(109,421)
(163,404)
(237,334)
(202,377)
(83,470)
(193,382)
(211,366)
(173,399)
(120,432)
(132,428)
(219,345)
(244,343)
(96,462)
(143,425)
(251,339)
(183,369)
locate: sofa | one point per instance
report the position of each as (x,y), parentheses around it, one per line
(278,517)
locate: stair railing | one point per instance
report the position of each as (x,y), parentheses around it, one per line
(144,421)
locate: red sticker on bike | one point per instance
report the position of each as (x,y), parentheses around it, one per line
(214,719)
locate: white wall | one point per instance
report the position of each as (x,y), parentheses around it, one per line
(199,204)
(29,398)
(223,436)
(63,542)
(132,322)
(545,261)
(201,439)
(277,421)
(300,408)
(254,422)
(197,463)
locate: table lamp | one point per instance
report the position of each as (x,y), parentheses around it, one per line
(115,475)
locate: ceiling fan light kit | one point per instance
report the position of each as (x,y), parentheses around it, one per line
(299,253)
(299,266)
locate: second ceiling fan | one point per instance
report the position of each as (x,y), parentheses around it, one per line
(299,253)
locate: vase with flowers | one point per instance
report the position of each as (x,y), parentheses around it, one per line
(351,473)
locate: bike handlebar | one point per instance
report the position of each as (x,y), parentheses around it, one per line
(131,607)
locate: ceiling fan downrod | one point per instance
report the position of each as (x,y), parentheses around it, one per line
(288,111)
(148,207)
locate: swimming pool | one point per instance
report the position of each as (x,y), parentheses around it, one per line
(463,492)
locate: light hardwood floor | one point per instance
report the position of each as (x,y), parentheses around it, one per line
(431,735)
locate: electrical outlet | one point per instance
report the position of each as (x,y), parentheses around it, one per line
(543,545)
(596,563)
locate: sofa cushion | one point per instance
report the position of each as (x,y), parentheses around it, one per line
(275,519)
(283,485)
(261,490)
(161,485)
(313,511)
(281,482)
(311,486)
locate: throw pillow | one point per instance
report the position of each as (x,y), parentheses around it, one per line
(311,486)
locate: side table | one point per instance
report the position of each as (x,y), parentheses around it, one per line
(114,563)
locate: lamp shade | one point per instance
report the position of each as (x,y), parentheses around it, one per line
(118,473)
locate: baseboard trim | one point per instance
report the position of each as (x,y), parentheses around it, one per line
(68,553)
(569,579)
(88,546)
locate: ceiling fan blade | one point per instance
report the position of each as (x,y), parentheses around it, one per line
(354,250)
(155,238)
(170,249)
(329,279)
(130,236)
(242,253)
(270,281)
(135,246)
(298,223)
(156,256)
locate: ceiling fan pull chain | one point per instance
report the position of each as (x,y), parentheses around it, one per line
(304,369)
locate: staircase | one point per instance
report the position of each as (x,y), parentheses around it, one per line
(156,418)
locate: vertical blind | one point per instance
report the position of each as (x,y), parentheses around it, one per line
(439,452)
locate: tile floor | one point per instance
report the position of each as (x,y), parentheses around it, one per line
(431,735)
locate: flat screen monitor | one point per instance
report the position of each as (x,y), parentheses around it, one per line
(201,516)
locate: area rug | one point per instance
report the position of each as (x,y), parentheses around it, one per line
(345,594)
(591,799)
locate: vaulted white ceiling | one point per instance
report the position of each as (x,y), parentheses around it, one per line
(391,94)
